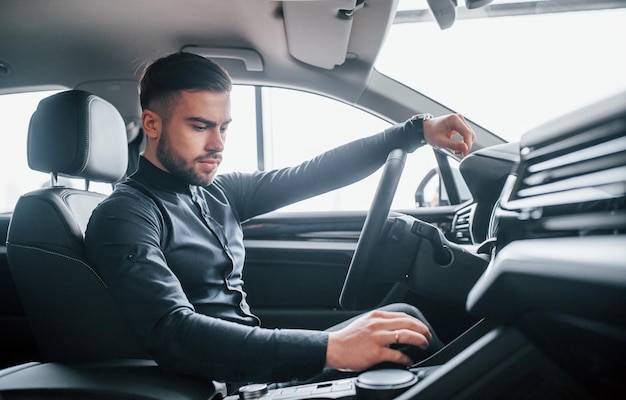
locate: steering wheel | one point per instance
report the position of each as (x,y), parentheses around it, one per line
(353,294)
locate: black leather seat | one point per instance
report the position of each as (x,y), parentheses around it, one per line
(71,314)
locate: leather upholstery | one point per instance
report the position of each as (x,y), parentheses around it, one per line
(72,316)
(77,134)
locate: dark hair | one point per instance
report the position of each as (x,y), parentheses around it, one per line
(181,71)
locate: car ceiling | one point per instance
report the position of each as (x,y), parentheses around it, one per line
(102,46)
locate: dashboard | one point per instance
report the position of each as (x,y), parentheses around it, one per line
(559,272)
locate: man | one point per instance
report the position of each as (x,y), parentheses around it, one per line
(168,242)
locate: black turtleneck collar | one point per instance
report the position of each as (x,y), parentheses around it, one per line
(150,173)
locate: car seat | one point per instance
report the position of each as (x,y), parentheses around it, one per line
(73,318)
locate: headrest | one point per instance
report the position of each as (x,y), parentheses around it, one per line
(77,134)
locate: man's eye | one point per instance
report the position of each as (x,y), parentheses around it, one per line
(200,128)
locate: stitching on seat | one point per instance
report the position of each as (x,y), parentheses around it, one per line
(61,255)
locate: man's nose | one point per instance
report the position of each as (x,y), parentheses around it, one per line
(215,141)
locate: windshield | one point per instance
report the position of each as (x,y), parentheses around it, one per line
(511,68)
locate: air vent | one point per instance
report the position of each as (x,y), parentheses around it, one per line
(573,183)
(462,225)
(587,167)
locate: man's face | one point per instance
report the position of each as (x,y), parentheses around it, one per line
(192,139)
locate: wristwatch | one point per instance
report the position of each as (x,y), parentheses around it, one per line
(418,123)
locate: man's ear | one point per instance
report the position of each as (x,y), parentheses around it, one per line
(152,124)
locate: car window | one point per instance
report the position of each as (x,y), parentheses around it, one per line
(298,126)
(240,153)
(17,178)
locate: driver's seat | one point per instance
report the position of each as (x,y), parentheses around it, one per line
(71,314)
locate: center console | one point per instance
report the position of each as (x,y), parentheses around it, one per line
(379,384)
(487,362)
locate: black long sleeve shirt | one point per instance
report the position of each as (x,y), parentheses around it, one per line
(172,256)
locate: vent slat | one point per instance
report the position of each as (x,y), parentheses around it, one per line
(576,196)
(599,150)
(580,168)
(605,177)
(462,225)
(597,134)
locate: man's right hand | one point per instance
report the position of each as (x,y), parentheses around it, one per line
(440,132)
(366,341)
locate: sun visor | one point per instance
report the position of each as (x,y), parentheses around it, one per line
(318,32)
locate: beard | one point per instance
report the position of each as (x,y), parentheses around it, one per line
(177,165)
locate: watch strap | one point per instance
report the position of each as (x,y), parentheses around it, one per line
(418,124)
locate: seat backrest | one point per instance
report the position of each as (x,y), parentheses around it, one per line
(69,309)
